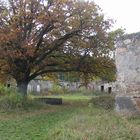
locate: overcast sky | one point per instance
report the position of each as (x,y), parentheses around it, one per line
(125,12)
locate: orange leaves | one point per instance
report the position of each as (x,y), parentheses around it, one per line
(9,35)
(55,35)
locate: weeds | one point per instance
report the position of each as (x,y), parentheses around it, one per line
(11,100)
(106,102)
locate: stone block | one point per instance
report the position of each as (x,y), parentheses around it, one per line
(125,104)
(51,101)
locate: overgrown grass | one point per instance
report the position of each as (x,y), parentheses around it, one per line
(74,121)
(105,101)
(5,91)
(75,95)
(95,124)
(67,97)
(71,123)
(11,100)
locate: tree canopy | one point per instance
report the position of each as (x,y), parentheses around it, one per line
(45,36)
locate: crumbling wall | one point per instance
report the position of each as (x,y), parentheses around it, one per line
(128,74)
(128,64)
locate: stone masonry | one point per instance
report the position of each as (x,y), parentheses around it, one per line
(128,71)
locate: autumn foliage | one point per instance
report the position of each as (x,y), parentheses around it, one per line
(45,36)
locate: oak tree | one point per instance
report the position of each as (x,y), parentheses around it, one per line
(47,36)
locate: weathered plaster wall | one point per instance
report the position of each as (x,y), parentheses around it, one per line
(106,86)
(128,64)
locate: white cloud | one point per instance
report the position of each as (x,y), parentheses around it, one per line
(125,12)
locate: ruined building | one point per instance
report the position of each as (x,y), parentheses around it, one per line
(128,72)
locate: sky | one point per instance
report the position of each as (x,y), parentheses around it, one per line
(126,13)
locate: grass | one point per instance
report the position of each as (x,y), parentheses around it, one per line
(96,125)
(73,96)
(34,127)
(71,121)
(68,97)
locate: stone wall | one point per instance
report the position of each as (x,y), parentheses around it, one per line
(38,86)
(103,86)
(128,64)
(128,74)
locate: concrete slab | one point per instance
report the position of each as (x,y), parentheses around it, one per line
(125,104)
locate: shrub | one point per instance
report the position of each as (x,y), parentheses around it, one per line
(57,89)
(4,90)
(10,100)
(105,102)
(15,101)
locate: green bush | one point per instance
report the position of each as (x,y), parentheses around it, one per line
(57,89)
(105,102)
(11,99)
(4,90)
(15,101)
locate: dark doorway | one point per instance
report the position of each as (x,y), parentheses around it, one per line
(8,85)
(109,89)
(102,88)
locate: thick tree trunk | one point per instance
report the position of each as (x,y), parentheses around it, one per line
(22,88)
